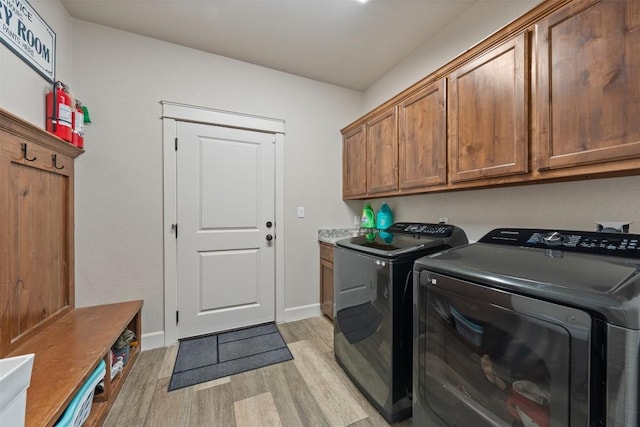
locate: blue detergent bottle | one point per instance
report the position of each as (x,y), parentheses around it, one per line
(384,219)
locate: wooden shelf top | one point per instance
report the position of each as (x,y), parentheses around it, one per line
(67,352)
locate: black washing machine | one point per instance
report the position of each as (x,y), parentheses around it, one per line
(529,328)
(373,306)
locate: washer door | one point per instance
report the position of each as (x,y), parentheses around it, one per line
(485,357)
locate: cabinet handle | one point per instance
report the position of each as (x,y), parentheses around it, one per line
(55,162)
(24,151)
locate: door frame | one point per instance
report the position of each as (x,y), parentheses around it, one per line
(173,112)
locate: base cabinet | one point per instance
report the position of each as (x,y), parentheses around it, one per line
(326,279)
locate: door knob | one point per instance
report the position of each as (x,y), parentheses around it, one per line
(269,237)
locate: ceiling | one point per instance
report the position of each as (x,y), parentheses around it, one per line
(342,42)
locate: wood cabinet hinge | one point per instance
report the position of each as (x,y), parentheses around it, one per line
(174,227)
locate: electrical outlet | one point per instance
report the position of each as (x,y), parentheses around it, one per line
(613,226)
(443,220)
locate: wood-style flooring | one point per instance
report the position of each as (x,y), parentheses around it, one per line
(311,390)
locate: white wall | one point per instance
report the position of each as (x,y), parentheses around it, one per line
(571,205)
(22,89)
(476,24)
(574,205)
(122,77)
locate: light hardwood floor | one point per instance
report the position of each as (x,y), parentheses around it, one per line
(311,390)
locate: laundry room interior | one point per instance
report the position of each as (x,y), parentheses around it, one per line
(214,174)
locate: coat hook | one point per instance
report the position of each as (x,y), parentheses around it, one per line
(55,165)
(24,151)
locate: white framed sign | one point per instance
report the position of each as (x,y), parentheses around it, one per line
(24,32)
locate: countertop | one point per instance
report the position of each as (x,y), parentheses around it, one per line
(332,235)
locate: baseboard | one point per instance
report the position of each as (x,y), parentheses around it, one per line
(152,340)
(302,312)
(156,339)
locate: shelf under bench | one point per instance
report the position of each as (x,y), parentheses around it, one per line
(67,352)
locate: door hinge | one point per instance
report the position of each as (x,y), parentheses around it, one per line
(176,143)
(174,227)
(177,316)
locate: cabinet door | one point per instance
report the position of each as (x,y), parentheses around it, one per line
(326,279)
(423,138)
(382,152)
(354,166)
(589,83)
(488,114)
(36,247)
(326,287)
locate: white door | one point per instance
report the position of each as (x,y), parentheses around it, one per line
(225,211)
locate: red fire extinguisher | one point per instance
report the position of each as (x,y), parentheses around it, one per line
(77,136)
(59,118)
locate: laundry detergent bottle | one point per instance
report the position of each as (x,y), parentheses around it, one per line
(368,219)
(384,219)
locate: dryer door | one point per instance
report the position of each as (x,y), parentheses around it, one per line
(485,357)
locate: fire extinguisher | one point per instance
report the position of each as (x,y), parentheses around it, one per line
(77,136)
(59,112)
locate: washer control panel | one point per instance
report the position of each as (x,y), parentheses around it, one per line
(610,244)
(422,229)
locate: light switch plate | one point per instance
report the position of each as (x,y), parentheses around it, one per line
(300,211)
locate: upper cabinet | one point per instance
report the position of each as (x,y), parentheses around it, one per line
(488,114)
(422,140)
(588,92)
(370,156)
(354,163)
(382,152)
(553,95)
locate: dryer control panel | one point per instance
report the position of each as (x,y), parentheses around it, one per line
(608,244)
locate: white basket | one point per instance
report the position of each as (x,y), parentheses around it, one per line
(80,407)
(466,328)
(15,377)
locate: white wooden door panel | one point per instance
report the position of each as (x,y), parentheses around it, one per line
(238,270)
(236,164)
(225,192)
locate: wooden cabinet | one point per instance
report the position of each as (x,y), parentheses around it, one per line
(354,163)
(36,225)
(370,157)
(422,143)
(488,123)
(588,68)
(67,352)
(37,304)
(326,279)
(382,152)
(551,96)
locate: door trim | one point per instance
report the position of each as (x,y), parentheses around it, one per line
(173,112)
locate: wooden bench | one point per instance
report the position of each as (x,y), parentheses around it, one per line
(66,353)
